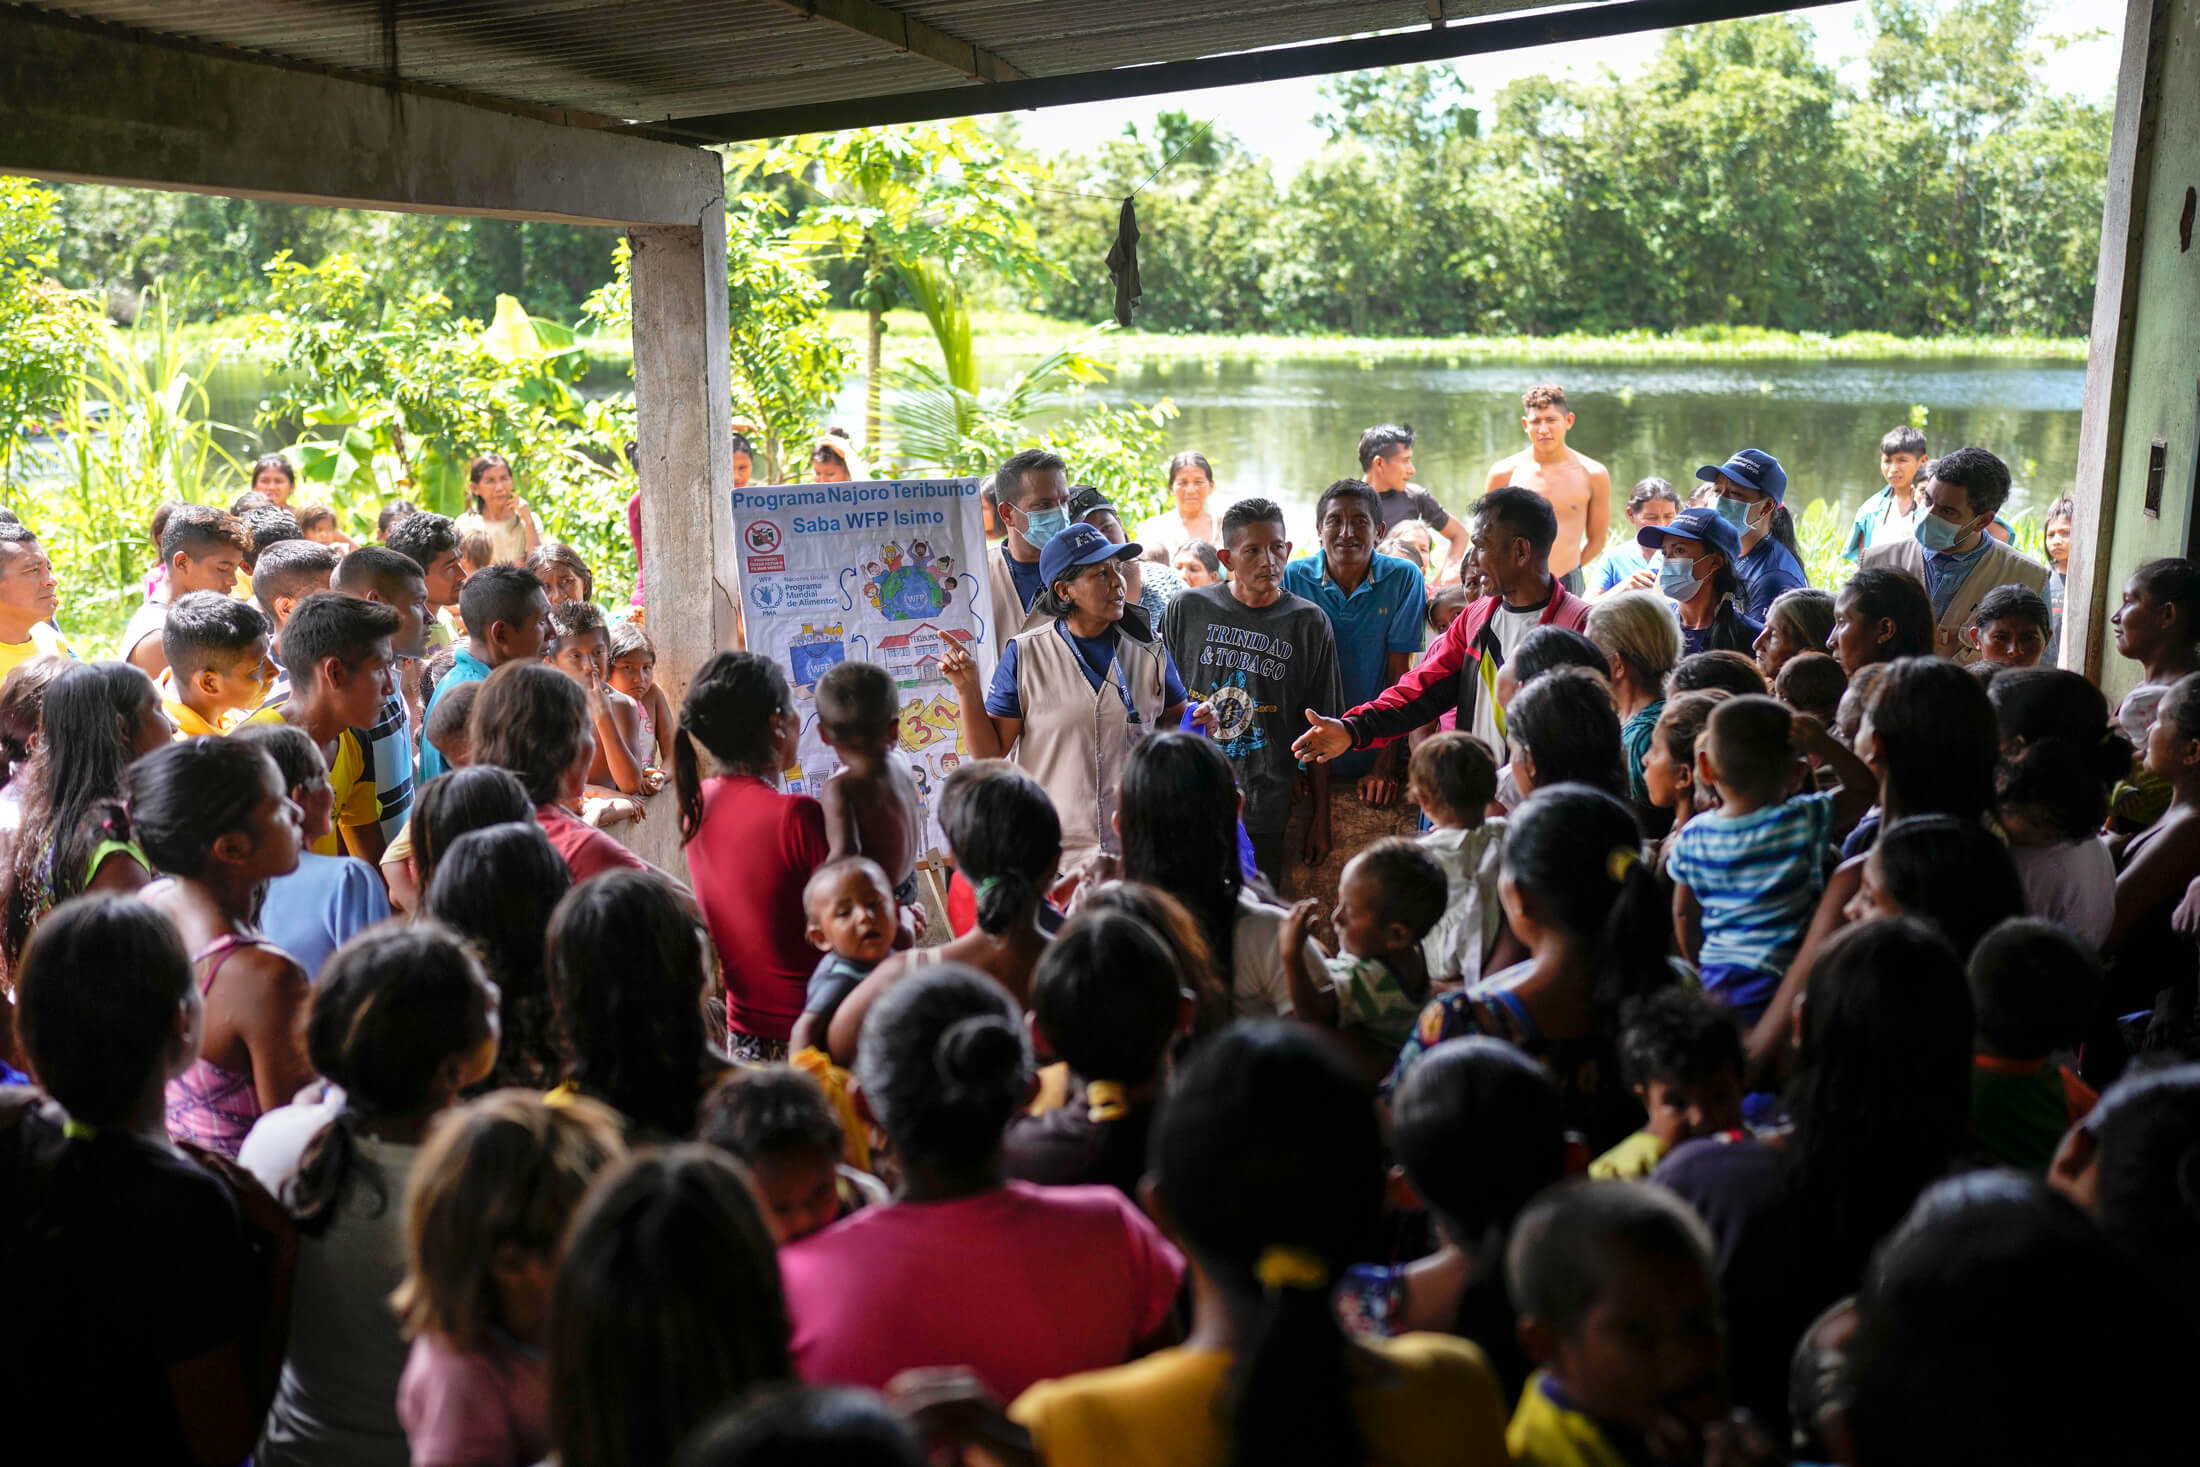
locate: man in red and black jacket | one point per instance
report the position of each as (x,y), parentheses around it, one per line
(1513,530)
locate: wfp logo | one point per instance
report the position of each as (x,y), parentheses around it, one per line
(768,595)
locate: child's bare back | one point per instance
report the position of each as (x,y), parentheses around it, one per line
(873,810)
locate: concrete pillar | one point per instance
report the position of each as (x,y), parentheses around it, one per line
(2139,440)
(684,398)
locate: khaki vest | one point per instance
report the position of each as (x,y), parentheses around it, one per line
(1999,566)
(1009,617)
(1075,737)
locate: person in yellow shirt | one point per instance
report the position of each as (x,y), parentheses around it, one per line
(1268,1171)
(219,664)
(29,596)
(1619,1307)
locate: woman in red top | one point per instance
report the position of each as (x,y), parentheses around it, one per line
(750,848)
(532,719)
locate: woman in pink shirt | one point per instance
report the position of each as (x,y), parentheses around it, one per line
(1015,1282)
(750,848)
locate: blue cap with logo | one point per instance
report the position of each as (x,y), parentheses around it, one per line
(1080,545)
(1752,468)
(1700,524)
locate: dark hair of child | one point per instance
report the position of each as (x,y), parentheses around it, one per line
(22,711)
(73,790)
(1679,1036)
(1444,602)
(858,700)
(2060,752)
(770,1113)
(1938,742)
(1480,1130)
(505,1170)
(557,552)
(728,710)
(495,593)
(1567,1246)
(311,517)
(1267,1158)
(185,797)
(1731,672)
(1941,1373)
(1750,740)
(1856,701)
(628,966)
(450,716)
(498,887)
(802,1426)
(2006,602)
(1881,1096)
(460,801)
(297,757)
(1549,648)
(209,629)
(628,638)
(1106,997)
(1812,682)
(330,624)
(286,568)
(95,1045)
(1566,724)
(1459,770)
(1410,885)
(1005,838)
(396,1012)
(1682,723)
(1574,853)
(667,1305)
(1205,554)
(198,530)
(2032,987)
(1171,921)
(2146,1135)
(269,525)
(578,618)
(390,514)
(1904,439)
(1955,874)
(1178,813)
(532,719)
(250,501)
(1806,611)
(1898,598)
(1650,490)
(944,1064)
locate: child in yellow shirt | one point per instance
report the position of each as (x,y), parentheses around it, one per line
(219,663)
(1682,1054)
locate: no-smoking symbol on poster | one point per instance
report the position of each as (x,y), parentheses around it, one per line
(762,537)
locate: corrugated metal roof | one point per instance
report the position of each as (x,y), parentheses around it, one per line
(644,60)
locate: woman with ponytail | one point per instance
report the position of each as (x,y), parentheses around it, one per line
(750,846)
(402,1021)
(629,963)
(1596,924)
(1017,1283)
(1001,829)
(1269,1171)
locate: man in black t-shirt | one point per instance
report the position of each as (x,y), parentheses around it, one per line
(1386,463)
(1259,656)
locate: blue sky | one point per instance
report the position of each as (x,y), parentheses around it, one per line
(1276,118)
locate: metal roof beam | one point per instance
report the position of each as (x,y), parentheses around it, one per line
(879,22)
(1431,43)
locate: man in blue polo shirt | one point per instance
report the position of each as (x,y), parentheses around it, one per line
(1374,604)
(1752,498)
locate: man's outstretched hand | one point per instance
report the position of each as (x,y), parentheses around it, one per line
(1324,739)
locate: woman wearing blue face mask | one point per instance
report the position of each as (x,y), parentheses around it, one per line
(1699,576)
(1752,487)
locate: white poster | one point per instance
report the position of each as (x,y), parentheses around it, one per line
(886,571)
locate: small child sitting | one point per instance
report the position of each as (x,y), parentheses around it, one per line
(1669,768)
(1619,1306)
(488,1201)
(2032,989)
(219,666)
(1747,875)
(851,915)
(1812,682)
(778,1122)
(871,804)
(1389,897)
(317,522)
(1453,778)
(1682,1055)
(2011,626)
(1107,1000)
(582,653)
(634,673)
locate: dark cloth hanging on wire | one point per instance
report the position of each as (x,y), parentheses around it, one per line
(1123,264)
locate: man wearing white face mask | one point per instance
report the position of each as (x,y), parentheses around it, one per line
(1752,494)
(1033,490)
(1951,551)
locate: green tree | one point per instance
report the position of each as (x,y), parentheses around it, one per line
(45,330)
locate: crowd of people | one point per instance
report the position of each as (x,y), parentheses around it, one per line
(1472,993)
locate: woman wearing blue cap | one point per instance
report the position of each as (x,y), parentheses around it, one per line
(1071,696)
(1752,498)
(1702,553)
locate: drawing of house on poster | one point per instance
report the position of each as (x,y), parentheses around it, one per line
(913,657)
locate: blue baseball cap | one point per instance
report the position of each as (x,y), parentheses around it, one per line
(1701,524)
(1752,468)
(1080,545)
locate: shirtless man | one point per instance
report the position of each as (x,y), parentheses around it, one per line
(1578,487)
